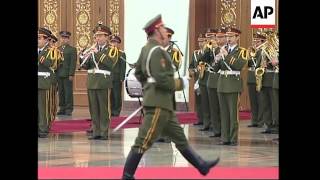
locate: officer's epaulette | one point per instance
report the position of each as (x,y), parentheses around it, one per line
(175,49)
(243,53)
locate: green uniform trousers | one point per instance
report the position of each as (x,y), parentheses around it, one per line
(255,104)
(47,108)
(229,116)
(275,108)
(214,110)
(116,100)
(266,99)
(198,107)
(99,107)
(65,90)
(159,121)
(205,106)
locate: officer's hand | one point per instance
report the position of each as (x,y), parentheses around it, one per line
(185,80)
(70,78)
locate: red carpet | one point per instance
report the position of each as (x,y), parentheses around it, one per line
(64,126)
(159,173)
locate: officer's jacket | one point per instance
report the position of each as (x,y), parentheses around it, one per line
(46,67)
(267,78)
(158,93)
(194,63)
(213,76)
(252,66)
(119,67)
(236,60)
(68,66)
(207,57)
(104,62)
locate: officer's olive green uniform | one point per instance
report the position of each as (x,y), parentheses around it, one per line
(266,94)
(159,117)
(254,95)
(206,58)
(193,67)
(156,75)
(118,75)
(99,86)
(275,101)
(229,89)
(65,86)
(213,99)
(46,89)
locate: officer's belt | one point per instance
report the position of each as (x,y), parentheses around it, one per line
(45,74)
(269,71)
(151,80)
(230,72)
(99,71)
(251,69)
(210,71)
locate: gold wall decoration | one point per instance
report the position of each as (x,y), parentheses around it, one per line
(228,13)
(114,18)
(50,9)
(83,27)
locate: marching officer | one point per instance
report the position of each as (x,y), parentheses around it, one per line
(118,75)
(254,95)
(99,65)
(193,70)
(212,86)
(230,86)
(176,61)
(154,70)
(48,60)
(206,58)
(65,74)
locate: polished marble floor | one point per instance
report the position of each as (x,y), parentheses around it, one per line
(75,150)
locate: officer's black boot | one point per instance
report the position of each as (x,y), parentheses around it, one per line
(131,165)
(202,165)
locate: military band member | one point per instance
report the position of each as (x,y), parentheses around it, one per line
(154,70)
(118,75)
(230,86)
(212,86)
(193,70)
(65,74)
(99,65)
(254,95)
(275,96)
(48,60)
(206,58)
(266,91)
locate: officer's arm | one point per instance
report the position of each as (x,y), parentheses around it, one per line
(87,64)
(122,66)
(138,66)
(162,74)
(73,61)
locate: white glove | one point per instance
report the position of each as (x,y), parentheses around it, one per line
(185,80)
(196,85)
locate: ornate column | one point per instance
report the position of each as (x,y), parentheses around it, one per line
(51,9)
(83,25)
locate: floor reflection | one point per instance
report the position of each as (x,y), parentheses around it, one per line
(74,149)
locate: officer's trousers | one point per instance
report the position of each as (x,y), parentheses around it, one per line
(255,104)
(214,110)
(99,107)
(65,89)
(159,121)
(229,116)
(116,100)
